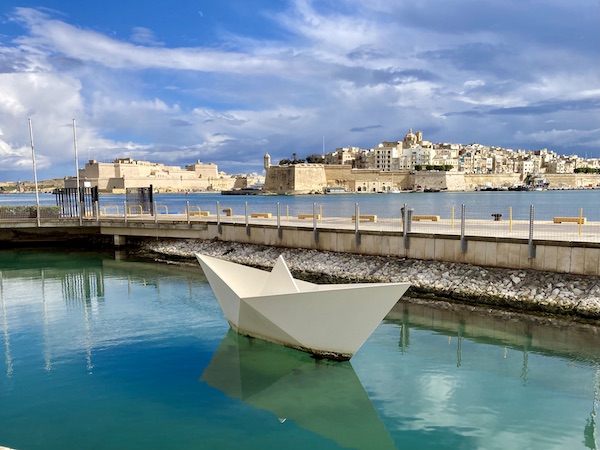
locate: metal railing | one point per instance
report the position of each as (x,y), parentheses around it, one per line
(567,224)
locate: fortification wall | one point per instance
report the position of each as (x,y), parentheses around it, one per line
(451,181)
(295,179)
(572,180)
(495,180)
(366,180)
(309,178)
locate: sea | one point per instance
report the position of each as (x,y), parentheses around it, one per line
(477,204)
(99,351)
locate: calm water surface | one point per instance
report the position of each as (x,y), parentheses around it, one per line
(111,354)
(478,204)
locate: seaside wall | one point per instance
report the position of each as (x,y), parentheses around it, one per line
(552,256)
(451,181)
(367,180)
(496,180)
(295,179)
(307,178)
(573,180)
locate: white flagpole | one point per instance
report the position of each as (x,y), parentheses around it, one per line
(37,195)
(77,172)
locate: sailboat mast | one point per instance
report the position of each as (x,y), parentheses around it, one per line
(77,171)
(37,194)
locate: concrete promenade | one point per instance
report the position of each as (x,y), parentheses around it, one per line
(556,247)
(560,277)
(563,248)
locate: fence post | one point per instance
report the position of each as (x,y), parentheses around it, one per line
(219,229)
(279,231)
(580,223)
(155,213)
(463,241)
(97,210)
(510,222)
(315,231)
(125,211)
(453,217)
(187,211)
(356,222)
(531,245)
(247,223)
(405,226)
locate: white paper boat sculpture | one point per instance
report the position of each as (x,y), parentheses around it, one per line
(327,320)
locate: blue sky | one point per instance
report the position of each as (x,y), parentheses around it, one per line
(225,81)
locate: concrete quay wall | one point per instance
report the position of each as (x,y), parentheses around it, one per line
(510,253)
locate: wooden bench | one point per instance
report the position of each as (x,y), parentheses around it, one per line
(369,217)
(432,218)
(262,215)
(578,220)
(309,216)
(199,213)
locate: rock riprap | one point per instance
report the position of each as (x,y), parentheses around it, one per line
(530,290)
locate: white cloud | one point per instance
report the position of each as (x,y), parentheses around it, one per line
(90,46)
(333,69)
(144,36)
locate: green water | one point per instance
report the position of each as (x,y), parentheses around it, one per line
(101,353)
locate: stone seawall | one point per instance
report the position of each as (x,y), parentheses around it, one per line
(576,296)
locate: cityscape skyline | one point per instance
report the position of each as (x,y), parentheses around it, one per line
(226,82)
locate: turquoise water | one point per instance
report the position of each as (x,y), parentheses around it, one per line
(102,353)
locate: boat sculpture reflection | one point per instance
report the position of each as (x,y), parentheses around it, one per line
(326,398)
(327,320)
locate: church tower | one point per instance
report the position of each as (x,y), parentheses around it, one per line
(267,161)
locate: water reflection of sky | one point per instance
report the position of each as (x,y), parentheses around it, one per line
(491,395)
(137,346)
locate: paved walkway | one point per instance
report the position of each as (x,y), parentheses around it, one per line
(518,229)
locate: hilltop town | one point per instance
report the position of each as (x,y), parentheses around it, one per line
(415,153)
(410,164)
(417,164)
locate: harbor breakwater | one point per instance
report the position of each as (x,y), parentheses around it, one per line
(576,296)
